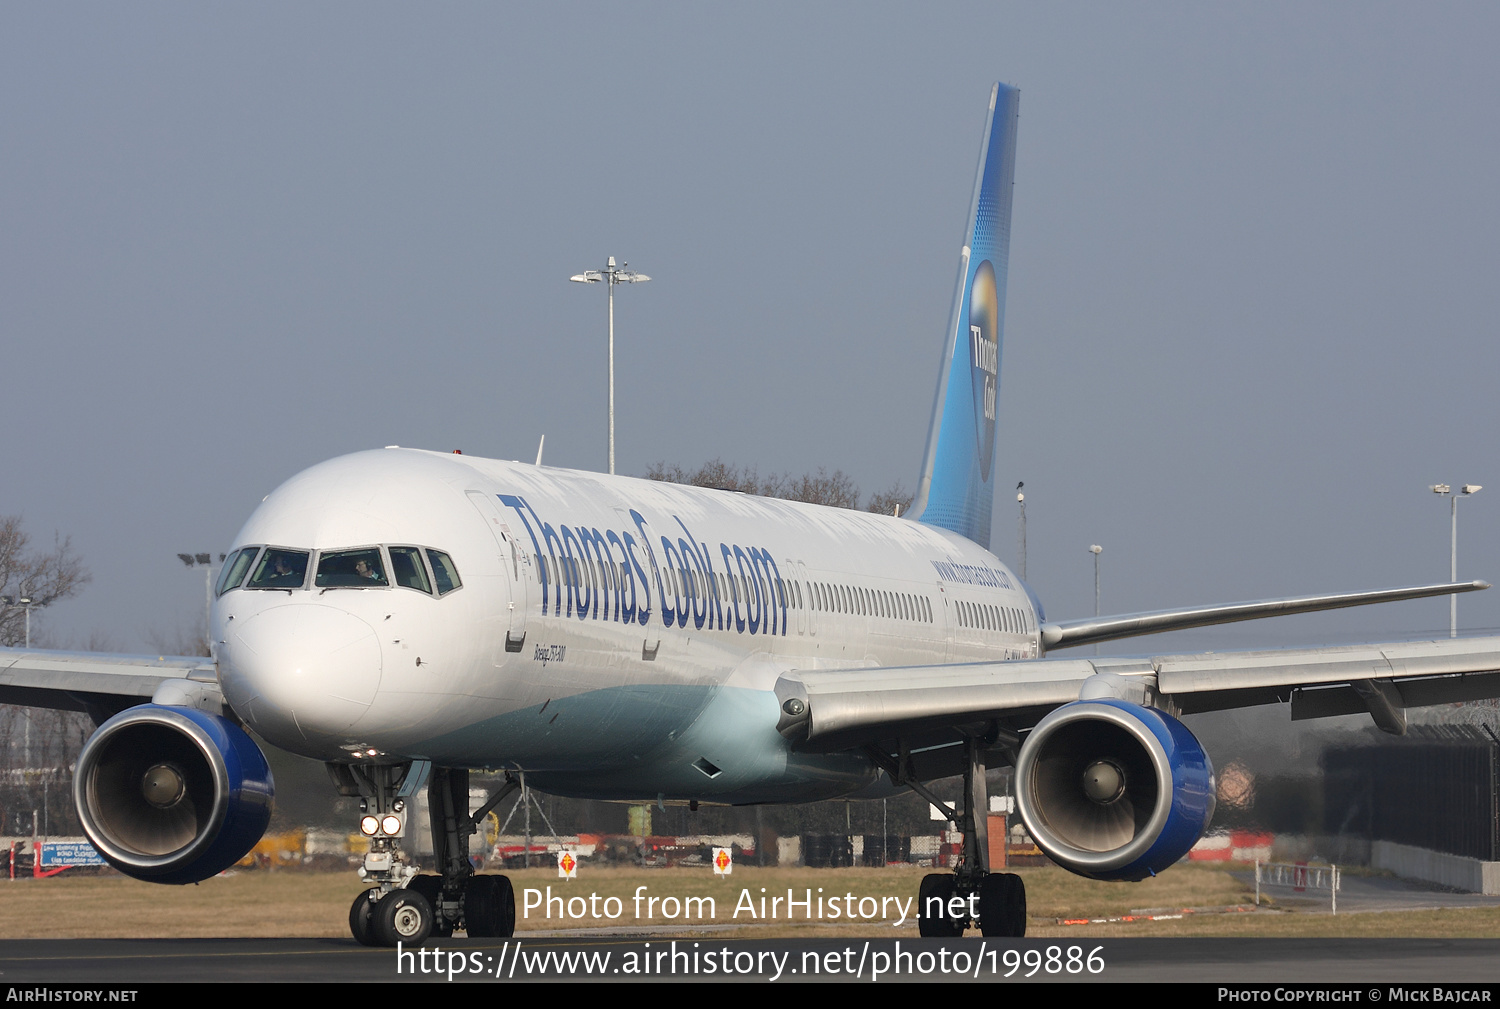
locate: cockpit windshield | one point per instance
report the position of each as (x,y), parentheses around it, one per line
(421,568)
(351,569)
(235,568)
(444,572)
(280,569)
(408,569)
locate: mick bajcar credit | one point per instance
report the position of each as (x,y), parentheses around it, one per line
(1351,993)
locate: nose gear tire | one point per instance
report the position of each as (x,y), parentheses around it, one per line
(360,915)
(402,916)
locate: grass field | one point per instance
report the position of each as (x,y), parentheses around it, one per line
(305,904)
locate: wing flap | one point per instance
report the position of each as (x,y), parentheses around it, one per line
(1228,671)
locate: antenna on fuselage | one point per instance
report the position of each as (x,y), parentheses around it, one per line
(539,446)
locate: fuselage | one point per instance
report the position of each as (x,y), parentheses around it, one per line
(614,637)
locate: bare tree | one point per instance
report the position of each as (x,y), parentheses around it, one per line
(191,640)
(834,489)
(45,576)
(37,746)
(895,501)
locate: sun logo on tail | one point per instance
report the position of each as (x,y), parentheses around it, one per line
(984,361)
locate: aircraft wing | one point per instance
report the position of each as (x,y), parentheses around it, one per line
(1092,630)
(102,685)
(927,705)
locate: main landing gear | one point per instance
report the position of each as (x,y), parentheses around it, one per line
(406,907)
(948,903)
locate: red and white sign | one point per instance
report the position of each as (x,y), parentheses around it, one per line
(567,865)
(723,862)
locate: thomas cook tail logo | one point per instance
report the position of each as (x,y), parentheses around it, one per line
(984,361)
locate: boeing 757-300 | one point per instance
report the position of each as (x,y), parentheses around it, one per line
(407,616)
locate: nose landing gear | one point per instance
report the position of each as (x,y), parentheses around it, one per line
(408,908)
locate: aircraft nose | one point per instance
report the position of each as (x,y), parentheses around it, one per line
(303,670)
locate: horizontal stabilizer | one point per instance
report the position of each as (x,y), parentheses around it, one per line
(1130,625)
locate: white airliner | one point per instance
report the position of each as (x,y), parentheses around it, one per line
(406,616)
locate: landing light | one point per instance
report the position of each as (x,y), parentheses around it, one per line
(369,825)
(391,824)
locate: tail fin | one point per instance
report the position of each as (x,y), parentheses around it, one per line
(956,490)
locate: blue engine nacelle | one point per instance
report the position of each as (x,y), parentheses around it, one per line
(172,794)
(1113,790)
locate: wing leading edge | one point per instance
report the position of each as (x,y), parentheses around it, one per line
(102,685)
(928,705)
(1096,629)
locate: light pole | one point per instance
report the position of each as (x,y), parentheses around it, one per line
(1466,490)
(205,561)
(29,604)
(611,275)
(1021,502)
(1096,550)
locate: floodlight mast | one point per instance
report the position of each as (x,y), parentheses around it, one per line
(1096,550)
(28,604)
(612,275)
(1466,490)
(205,561)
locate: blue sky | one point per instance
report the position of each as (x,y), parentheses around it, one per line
(1251,307)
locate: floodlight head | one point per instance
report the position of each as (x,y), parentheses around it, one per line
(1096,549)
(186,559)
(1020,499)
(588,277)
(1472,488)
(1440,488)
(204,558)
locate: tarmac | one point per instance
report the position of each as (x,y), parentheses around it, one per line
(584,956)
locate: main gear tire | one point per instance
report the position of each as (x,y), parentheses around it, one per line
(938,887)
(490,907)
